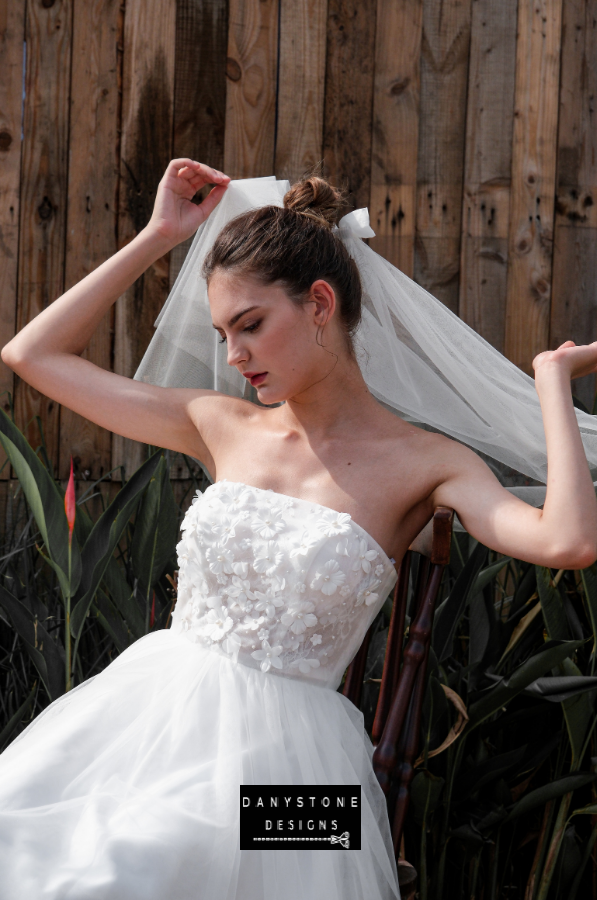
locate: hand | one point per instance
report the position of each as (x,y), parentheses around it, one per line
(576,361)
(175,217)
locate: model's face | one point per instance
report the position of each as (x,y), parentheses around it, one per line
(271,340)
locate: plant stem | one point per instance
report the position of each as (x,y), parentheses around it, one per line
(67,624)
(583,863)
(554,847)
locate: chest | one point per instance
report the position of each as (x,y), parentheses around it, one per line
(367,479)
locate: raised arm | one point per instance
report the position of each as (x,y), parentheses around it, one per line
(46,352)
(564,533)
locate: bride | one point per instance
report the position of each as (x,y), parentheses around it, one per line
(128,786)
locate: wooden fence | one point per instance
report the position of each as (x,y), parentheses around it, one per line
(467,127)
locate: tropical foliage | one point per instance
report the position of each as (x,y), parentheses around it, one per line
(503,803)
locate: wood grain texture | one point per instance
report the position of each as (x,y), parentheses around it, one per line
(574,294)
(146,148)
(486,200)
(251,88)
(395,131)
(301,82)
(44,169)
(444,77)
(12,34)
(92,201)
(348,110)
(533,180)
(199,90)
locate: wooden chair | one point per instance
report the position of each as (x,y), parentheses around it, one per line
(396,726)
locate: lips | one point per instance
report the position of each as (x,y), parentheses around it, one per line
(256,378)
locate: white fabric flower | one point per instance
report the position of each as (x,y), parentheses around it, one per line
(308,541)
(268,559)
(240,591)
(277,582)
(241,569)
(368,595)
(329,578)
(364,557)
(269,524)
(232,643)
(343,547)
(225,529)
(269,656)
(344,590)
(332,523)
(234,496)
(305,665)
(267,602)
(217,624)
(316,639)
(253,624)
(263,634)
(299,616)
(219,560)
(378,570)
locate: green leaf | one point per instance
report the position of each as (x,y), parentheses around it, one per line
(46,655)
(121,594)
(551,655)
(487,575)
(578,713)
(589,581)
(551,791)
(425,794)
(104,537)
(156,530)
(552,606)
(476,777)
(561,687)
(44,498)
(450,612)
(14,721)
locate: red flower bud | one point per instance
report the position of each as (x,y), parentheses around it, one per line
(70,506)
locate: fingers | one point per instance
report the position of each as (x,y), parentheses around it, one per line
(196,171)
(211,201)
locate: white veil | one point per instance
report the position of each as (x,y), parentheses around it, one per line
(417,357)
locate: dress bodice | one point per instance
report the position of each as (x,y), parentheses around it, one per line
(278,583)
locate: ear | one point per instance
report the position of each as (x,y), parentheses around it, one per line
(323,296)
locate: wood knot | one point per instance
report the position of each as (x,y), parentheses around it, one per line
(233,69)
(399,86)
(47,4)
(5,141)
(45,209)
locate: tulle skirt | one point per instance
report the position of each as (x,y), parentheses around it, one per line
(128,787)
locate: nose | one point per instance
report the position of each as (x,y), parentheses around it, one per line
(237,352)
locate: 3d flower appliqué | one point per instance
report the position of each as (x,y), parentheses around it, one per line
(329,578)
(269,656)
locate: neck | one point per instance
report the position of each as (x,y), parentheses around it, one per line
(340,399)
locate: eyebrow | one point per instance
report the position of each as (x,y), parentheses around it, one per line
(235,318)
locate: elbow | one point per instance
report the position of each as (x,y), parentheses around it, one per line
(13,357)
(580,556)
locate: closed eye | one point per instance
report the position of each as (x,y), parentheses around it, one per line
(250,328)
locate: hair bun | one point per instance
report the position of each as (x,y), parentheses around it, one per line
(316,198)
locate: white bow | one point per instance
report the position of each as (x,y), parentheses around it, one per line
(357,223)
(343,838)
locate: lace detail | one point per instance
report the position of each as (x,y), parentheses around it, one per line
(276,583)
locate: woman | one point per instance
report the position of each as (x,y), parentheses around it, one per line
(128,786)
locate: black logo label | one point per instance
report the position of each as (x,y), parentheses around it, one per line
(301,817)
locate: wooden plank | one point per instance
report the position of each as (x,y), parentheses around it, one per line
(44,171)
(146,148)
(12,35)
(92,200)
(301,82)
(533,180)
(396,130)
(251,88)
(573,305)
(199,90)
(442,129)
(486,202)
(348,110)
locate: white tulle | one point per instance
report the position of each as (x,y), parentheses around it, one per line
(128,787)
(416,356)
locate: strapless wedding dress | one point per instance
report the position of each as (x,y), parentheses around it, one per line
(127,788)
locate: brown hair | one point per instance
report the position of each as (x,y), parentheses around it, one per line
(294,245)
